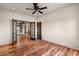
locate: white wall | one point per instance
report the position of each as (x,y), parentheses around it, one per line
(60,27)
(5,24)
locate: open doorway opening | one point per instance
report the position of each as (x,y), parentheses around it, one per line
(39,36)
(22,28)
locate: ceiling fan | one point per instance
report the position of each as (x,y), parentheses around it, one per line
(36,8)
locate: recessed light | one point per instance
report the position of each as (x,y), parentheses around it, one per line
(13,8)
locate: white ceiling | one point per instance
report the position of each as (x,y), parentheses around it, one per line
(20,7)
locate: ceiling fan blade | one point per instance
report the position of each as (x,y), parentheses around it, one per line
(42,8)
(33,12)
(29,9)
(40,12)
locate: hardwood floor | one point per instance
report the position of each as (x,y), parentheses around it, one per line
(37,48)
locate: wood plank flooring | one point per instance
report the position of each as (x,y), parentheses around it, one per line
(37,48)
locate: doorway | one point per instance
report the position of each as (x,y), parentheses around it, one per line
(20,28)
(39,36)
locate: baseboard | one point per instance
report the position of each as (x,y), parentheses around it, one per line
(5,45)
(62,45)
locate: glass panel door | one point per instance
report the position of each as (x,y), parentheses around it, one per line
(14,31)
(32,30)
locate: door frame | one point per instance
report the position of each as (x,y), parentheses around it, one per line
(13,20)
